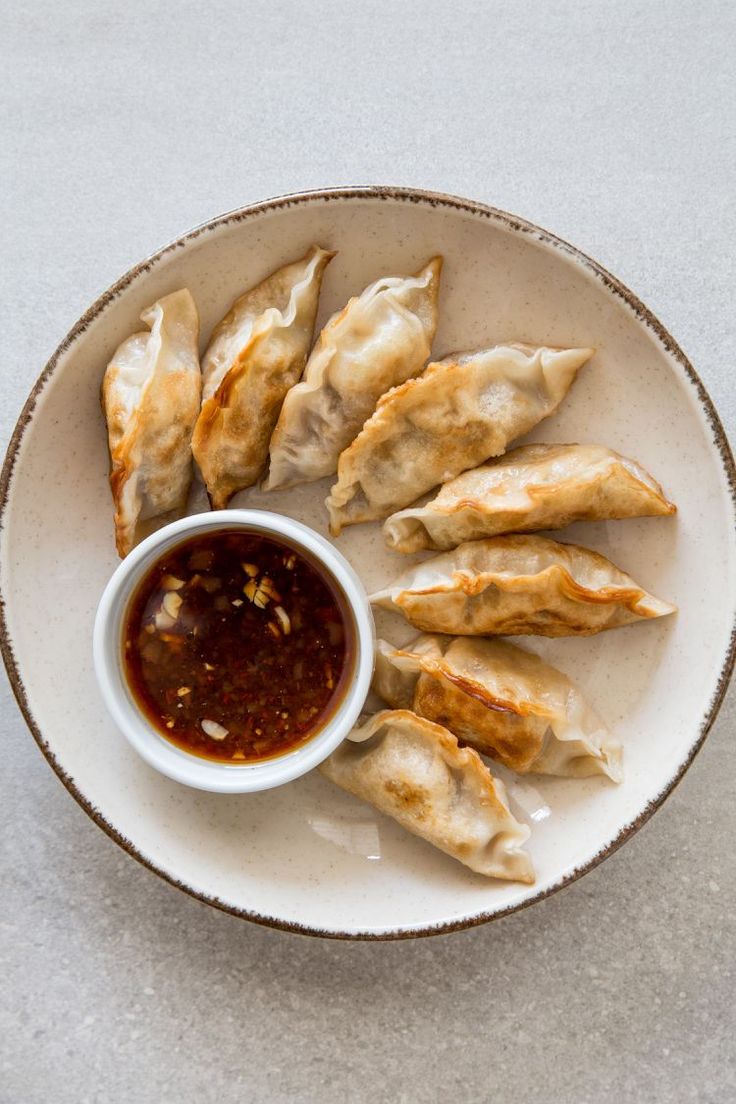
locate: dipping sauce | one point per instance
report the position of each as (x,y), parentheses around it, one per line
(237,647)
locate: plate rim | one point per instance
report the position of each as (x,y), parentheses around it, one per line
(363,192)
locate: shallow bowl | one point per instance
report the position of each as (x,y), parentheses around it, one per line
(307,856)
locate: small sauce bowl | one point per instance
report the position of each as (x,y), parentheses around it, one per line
(174,761)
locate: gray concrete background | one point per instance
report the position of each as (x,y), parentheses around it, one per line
(123,125)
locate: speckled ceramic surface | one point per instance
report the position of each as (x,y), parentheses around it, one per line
(308,856)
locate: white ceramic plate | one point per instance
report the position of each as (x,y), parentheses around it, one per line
(308,857)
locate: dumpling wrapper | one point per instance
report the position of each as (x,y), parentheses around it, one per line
(501,700)
(378,340)
(532,487)
(460,412)
(255,356)
(516,585)
(415,771)
(150,398)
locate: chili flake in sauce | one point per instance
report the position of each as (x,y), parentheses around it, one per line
(237,647)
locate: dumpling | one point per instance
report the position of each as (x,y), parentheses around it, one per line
(414,771)
(255,355)
(518,585)
(150,398)
(379,339)
(532,487)
(458,413)
(501,700)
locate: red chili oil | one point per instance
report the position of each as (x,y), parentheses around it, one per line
(237,647)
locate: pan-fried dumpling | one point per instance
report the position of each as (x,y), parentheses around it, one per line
(414,771)
(378,340)
(501,700)
(518,585)
(150,397)
(460,412)
(532,487)
(255,355)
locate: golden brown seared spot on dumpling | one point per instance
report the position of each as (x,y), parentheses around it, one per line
(415,771)
(532,487)
(461,411)
(150,397)
(501,700)
(516,585)
(379,339)
(256,354)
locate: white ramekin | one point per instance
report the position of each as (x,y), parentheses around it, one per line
(170,760)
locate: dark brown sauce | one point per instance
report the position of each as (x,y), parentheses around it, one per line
(237,647)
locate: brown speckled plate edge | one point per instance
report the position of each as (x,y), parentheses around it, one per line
(431,199)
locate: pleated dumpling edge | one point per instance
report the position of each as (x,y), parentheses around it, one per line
(458,413)
(516,585)
(414,771)
(256,354)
